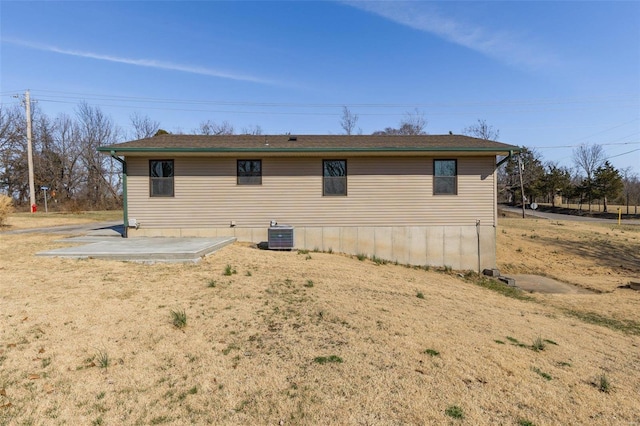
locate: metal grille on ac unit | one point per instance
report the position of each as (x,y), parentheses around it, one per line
(281,237)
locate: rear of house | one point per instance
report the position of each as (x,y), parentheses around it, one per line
(421,200)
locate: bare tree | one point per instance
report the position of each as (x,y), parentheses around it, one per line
(482,130)
(13,161)
(143,126)
(212,128)
(631,188)
(412,124)
(588,158)
(95,130)
(348,121)
(252,130)
(68,147)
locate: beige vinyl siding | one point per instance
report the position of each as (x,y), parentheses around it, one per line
(382,191)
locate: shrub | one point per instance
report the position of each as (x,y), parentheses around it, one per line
(6,208)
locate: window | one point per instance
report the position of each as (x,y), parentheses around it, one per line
(334,177)
(445,177)
(249,172)
(161,178)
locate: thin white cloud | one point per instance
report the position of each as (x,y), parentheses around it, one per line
(424,16)
(150,63)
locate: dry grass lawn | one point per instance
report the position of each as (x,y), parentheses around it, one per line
(317,338)
(41,219)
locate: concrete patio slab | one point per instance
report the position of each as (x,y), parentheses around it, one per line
(149,250)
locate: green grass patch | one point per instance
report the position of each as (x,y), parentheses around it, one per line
(625,326)
(497,286)
(454,412)
(516,342)
(328,359)
(541,373)
(309,283)
(431,352)
(361,256)
(379,261)
(420,295)
(525,422)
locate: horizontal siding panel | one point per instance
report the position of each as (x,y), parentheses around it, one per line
(381,192)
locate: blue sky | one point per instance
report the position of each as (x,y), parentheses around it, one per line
(548,75)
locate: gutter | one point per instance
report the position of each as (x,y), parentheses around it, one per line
(125,213)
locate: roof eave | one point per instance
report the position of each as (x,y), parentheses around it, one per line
(271,150)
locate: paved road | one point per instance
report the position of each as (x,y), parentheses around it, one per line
(79,229)
(556,216)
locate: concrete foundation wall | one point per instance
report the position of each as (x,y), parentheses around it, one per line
(454,246)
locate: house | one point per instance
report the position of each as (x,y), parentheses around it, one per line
(421,200)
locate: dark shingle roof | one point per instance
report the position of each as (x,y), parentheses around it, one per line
(308,143)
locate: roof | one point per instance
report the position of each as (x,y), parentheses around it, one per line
(282,144)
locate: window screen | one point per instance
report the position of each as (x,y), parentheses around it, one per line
(334,177)
(249,172)
(161,178)
(445,177)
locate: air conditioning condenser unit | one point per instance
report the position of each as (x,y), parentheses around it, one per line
(280,237)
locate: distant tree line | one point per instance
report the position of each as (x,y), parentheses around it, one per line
(592,180)
(64,156)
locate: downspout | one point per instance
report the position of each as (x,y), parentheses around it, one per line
(125,212)
(501,162)
(478,234)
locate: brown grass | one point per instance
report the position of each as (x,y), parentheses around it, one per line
(248,353)
(41,219)
(6,208)
(595,256)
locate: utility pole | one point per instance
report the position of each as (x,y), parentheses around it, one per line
(32,186)
(521,184)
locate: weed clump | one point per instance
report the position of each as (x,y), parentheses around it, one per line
(179,318)
(602,383)
(102,358)
(229,270)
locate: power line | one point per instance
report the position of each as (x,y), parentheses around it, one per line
(624,153)
(576,145)
(508,102)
